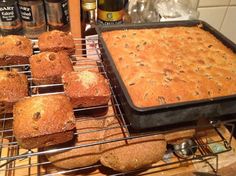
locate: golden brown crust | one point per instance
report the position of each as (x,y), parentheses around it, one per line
(132,154)
(13,87)
(56,41)
(15,49)
(86,88)
(169,65)
(88,129)
(41,116)
(48,67)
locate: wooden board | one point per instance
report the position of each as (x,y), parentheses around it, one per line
(227,161)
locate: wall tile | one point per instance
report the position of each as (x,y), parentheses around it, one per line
(213,15)
(207,3)
(229,25)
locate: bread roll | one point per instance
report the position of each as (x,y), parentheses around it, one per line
(132,154)
(88,133)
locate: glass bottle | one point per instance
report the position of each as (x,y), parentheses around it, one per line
(88,17)
(57,14)
(10,22)
(110,11)
(33,17)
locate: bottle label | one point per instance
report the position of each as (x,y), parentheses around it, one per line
(87,6)
(57,13)
(110,17)
(8,13)
(26,13)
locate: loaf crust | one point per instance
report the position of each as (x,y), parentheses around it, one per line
(13,87)
(88,129)
(132,154)
(170,65)
(56,41)
(14,50)
(43,121)
(48,67)
(86,88)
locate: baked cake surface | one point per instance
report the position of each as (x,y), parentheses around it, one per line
(13,87)
(56,41)
(169,65)
(15,49)
(86,88)
(48,67)
(43,121)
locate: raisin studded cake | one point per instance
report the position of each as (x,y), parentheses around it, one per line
(169,65)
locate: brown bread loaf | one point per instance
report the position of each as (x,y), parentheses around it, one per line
(86,88)
(88,133)
(15,50)
(56,41)
(48,67)
(13,87)
(43,121)
(132,154)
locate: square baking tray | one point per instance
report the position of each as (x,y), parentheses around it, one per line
(168,114)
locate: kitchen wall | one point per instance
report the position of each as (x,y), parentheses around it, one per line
(221,14)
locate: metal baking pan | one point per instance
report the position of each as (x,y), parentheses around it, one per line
(169,114)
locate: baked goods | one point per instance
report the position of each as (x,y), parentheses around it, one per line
(48,67)
(13,86)
(132,154)
(43,121)
(86,88)
(88,133)
(56,41)
(169,65)
(15,49)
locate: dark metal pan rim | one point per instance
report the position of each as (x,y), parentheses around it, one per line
(191,103)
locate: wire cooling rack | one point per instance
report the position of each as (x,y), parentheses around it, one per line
(17,161)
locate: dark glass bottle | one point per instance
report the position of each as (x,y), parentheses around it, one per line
(110,11)
(88,22)
(57,14)
(88,17)
(33,17)
(10,22)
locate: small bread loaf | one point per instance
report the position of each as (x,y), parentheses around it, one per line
(132,154)
(86,88)
(13,86)
(88,133)
(56,41)
(48,67)
(14,50)
(42,121)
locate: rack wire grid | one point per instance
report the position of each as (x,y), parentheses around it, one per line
(17,161)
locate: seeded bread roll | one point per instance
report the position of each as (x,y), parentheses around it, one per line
(56,41)
(88,133)
(170,65)
(86,88)
(48,67)
(132,154)
(13,87)
(15,50)
(42,121)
